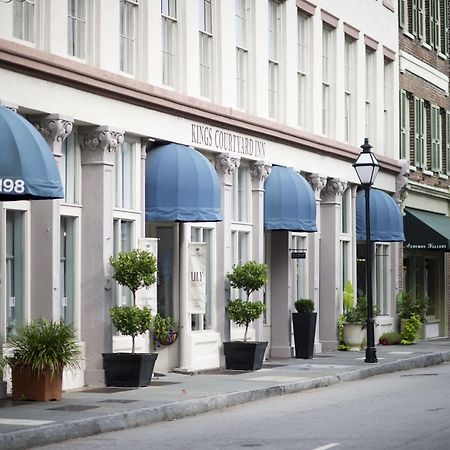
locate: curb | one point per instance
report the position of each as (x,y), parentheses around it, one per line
(50,434)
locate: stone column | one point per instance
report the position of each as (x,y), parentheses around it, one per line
(226,164)
(97,159)
(259,171)
(317,183)
(45,229)
(330,268)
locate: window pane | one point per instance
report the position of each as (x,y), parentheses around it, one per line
(23,20)
(67,270)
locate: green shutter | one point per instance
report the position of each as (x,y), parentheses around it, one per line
(401,13)
(403,125)
(420,18)
(447,140)
(435,139)
(417,132)
(414,16)
(446,17)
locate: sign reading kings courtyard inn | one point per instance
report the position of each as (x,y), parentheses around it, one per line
(219,140)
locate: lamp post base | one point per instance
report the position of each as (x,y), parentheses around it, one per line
(371,355)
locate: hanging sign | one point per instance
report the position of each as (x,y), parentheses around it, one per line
(147,296)
(197,277)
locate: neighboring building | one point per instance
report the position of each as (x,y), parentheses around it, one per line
(249,84)
(425,145)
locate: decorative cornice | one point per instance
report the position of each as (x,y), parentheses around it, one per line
(54,128)
(226,164)
(259,171)
(102,138)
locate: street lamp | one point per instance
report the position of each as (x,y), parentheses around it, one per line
(367,167)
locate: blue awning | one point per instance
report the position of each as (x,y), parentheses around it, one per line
(289,202)
(28,168)
(181,185)
(386,220)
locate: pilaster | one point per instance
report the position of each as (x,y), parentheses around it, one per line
(330,268)
(259,171)
(225,165)
(98,146)
(45,229)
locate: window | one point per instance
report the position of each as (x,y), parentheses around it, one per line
(299,269)
(445,29)
(128,31)
(241,54)
(274,50)
(447,141)
(328,68)
(434,28)
(24,20)
(241,194)
(382,268)
(67,270)
(76,28)
(303,65)
(349,86)
(419,132)
(418,18)
(404,125)
(206,49)
(14,267)
(124,176)
(387,105)
(435,132)
(370,94)
(204,234)
(68,168)
(169,41)
(122,239)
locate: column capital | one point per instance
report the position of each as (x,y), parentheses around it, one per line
(317,183)
(103,138)
(54,128)
(334,187)
(259,171)
(226,164)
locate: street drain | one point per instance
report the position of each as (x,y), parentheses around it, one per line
(73,408)
(117,400)
(420,375)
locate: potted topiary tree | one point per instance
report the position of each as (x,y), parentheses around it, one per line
(134,269)
(37,355)
(244,355)
(304,323)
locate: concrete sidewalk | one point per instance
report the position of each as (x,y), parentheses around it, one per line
(25,425)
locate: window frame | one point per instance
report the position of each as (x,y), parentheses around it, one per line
(128,35)
(77,33)
(169,46)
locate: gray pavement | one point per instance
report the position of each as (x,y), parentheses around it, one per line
(171,396)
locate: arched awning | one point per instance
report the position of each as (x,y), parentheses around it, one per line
(289,202)
(181,185)
(28,168)
(386,220)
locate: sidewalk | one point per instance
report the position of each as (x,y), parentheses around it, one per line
(25,425)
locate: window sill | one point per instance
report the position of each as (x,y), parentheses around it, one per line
(407,34)
(425,45)
(443,176)
(427,172)
(442,56)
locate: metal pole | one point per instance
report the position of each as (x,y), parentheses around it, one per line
(371,351)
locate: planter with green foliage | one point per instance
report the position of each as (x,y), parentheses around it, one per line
(250,277)
(37,355)
(164,331)
(135,269)
(304,323)
(412,314)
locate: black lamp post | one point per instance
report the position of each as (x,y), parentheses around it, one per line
(367,166)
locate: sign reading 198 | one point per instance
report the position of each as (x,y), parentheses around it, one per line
(8,185)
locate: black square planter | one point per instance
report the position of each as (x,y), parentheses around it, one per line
(128,369)
(241,355)
(304,333)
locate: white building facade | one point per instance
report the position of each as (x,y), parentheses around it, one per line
(249,84)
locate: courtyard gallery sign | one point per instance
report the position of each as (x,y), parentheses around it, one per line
(197,277)
(220,140)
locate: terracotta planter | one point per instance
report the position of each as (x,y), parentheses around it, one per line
(27,384)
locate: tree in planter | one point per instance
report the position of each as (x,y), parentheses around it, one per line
(134,269)
(249,277)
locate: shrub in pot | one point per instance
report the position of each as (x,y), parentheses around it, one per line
(304,323)
(412,314)
(250,277)
(134,269)
(37,355)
